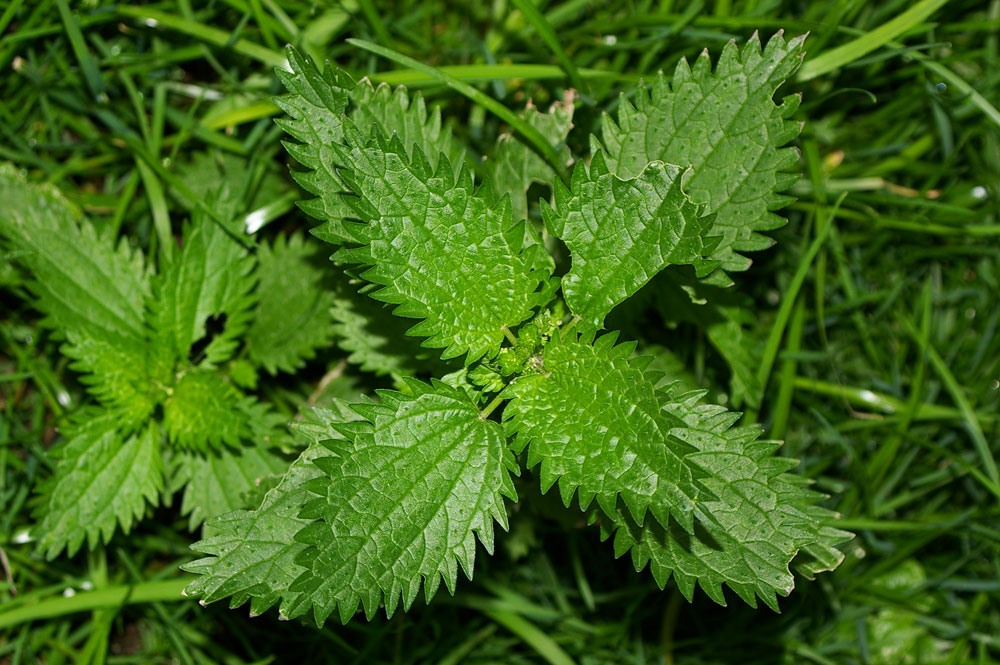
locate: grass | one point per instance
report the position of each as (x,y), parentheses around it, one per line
(875,318)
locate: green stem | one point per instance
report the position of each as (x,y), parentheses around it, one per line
(569,326)
(491,407)
(108,597)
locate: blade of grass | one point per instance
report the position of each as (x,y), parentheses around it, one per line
(958,395)
(154,18)
(521,126)
(544,645)
(108,597)
(786,378)
(838,57)
(788,301)
(91,73)
(550,38)
(375,21)
(481,73)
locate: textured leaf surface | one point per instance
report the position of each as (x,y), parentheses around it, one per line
(293,316)
(91,290)
(620,233)
(253,551)
(403,501)
(204,410)
(218,481)
(755,521)
(318,104)
(394,111)
(514,167)
(211,277)
(594,423)
(440,251)
(724,124)
(252,556)
(102,481)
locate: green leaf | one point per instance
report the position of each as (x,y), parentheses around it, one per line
(293,317)
(216,482)
(393,111)
(253,552)
(91,290)
(757,518)
(212,277)
(403,500)
(317,107)
(102,480)
(441,252)
(514,166)
(375,339)
(725,126)
(620,233)
(593,421)
(204,411)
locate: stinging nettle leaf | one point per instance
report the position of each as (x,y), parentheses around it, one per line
(440,251)
(402,502)
(212,277)
(620,233)
(756,519)
(91,289)
(293,317)
(593,421)
(103,480)
(725,126)
(252,552)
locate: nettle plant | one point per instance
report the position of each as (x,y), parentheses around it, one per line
(167,353)
(395,492)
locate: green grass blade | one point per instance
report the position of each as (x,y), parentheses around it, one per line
(477,96)
(961,401)
(544,645)
(550,38)
(833,59)
(220,38)
(108,597)
(88,64)
(788,302)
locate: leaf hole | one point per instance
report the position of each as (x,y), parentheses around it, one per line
(214,326)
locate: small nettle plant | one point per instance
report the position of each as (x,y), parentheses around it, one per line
(167,353)
(392,494)
(395,492)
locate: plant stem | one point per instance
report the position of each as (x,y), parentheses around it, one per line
(491,407)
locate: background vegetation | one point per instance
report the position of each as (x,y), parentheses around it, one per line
(874,338)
